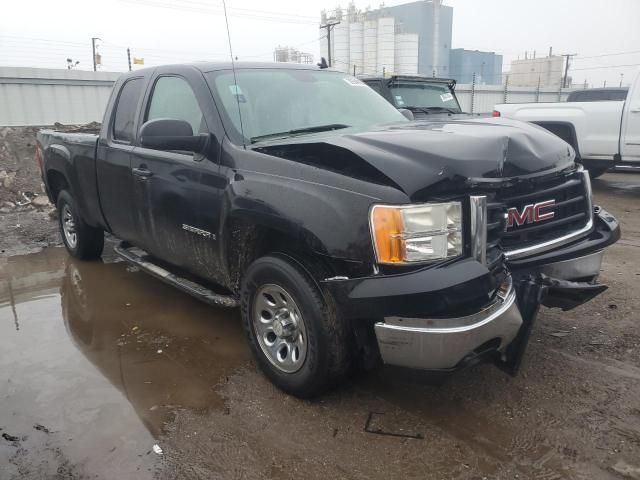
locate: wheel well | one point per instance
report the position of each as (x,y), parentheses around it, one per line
(56,182)
(247,242)
(565,131)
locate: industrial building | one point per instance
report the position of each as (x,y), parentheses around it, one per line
(291,55)
(531,72)
(487,66)
(413,38)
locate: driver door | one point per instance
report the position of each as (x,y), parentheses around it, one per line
(167,184)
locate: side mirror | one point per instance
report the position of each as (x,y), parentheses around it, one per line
(408,114)
(169,134)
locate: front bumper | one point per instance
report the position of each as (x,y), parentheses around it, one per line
(580,260)
(435,319)
(444,343)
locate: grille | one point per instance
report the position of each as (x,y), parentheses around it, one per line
(571,212)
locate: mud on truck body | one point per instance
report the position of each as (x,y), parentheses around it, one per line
(345,233)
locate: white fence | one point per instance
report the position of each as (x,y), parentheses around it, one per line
(39,96)
(482,98)
(42,96)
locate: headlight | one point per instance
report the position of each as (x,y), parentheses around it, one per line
(417,233)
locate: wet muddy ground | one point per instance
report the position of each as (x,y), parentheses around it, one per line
(107,373)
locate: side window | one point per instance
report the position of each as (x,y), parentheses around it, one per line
(126,110)
(173,98)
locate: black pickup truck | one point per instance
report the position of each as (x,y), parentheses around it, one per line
(418,94)
(344,232)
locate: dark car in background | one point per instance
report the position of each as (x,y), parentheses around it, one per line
(421,95)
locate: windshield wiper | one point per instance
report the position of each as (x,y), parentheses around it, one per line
(417,109)
(301,131)
(444,109)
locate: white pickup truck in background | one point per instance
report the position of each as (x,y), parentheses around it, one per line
(603,134)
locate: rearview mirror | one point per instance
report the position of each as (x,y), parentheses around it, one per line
(170,134)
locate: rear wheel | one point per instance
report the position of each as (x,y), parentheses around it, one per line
(82,240)
(295,332)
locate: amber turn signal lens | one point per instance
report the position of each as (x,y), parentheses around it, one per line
(387,233)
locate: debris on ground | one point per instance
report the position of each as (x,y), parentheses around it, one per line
(22,193)
(41,428)
(560,333)
(10,438)
(157,449)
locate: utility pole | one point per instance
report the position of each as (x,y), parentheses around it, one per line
(93,49)
(129,58)
(621,77)
(567,56)
(329,25)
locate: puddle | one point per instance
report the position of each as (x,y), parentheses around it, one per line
(106,372)
(102,358)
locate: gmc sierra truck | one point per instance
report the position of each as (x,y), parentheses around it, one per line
(604,134)
(344,232)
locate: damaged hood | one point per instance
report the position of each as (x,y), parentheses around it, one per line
(417,155)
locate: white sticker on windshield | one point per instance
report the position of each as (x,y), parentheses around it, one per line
(399,100)
(237,92)
(354,82)
(446,97)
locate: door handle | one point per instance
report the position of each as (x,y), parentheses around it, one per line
(142,172)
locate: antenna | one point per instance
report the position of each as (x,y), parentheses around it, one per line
(233,68)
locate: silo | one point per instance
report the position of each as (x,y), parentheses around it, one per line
(386,45)
(356,47)
(340,41)
(406,53)
(370,47)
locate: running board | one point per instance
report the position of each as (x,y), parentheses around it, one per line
(141,259)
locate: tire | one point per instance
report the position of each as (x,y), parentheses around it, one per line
(82,241)
(597,172)
(323,360)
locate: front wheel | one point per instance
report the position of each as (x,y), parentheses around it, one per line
(82,241)
(295,332)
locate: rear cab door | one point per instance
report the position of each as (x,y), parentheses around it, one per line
(178,194)
(113,157)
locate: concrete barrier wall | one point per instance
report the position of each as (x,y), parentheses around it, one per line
(42,96)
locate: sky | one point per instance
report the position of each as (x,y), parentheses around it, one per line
(44,33)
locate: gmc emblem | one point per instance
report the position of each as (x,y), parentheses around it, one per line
(530,214)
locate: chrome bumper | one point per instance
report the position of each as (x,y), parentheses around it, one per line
(442,343)
(574,268)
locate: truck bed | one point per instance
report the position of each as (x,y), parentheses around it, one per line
(75,154)
(595,126)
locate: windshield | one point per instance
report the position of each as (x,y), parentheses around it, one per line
(423,95)
(297,101)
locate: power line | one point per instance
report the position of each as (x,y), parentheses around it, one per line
(186,7)
(580,57)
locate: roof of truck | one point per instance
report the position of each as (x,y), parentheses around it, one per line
(408,78)
(213,66)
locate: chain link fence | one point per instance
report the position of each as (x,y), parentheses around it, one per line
(482,98)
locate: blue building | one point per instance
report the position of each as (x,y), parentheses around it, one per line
(486,65)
